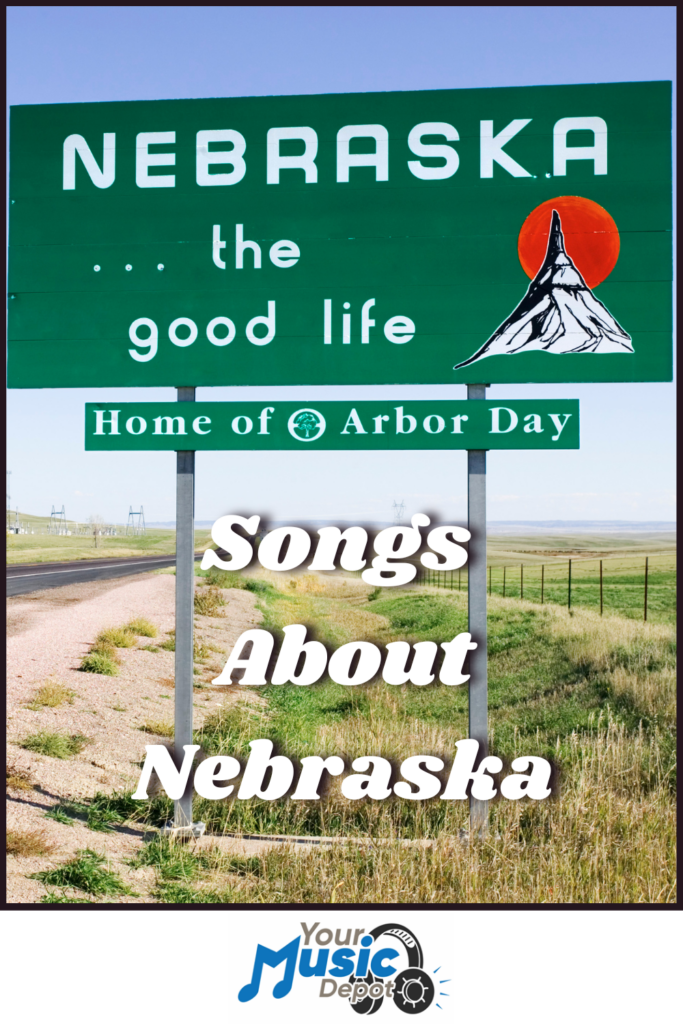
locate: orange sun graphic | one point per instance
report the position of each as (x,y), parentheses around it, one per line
(591,237)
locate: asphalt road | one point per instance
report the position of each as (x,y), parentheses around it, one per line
(23,579)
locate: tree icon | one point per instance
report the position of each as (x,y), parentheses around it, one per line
(306,422)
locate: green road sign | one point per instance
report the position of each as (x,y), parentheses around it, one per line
(479,235)
(333,426)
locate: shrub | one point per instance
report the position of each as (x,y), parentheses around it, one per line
(27,844)
(51,695)
(55,744)
(142,627)
(208,601)
(86,872)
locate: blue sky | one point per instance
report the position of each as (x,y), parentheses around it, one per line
(625,468)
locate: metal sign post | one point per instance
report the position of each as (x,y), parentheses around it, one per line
(476,610)
(184,619)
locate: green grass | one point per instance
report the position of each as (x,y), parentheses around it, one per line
(55,744)
(87,872)
(228,580)
(101,662)
(623,589)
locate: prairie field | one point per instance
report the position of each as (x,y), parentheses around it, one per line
(595,695)
(32,548)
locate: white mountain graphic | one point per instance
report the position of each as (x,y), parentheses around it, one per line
(558,314)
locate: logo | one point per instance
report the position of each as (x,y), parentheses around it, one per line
(306,424)
(560,313)
(365,969)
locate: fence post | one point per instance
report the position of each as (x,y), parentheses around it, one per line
(504,572)
(489,579)
(569,586)
(521,582)
(601,586)
(542,581)
(647,560)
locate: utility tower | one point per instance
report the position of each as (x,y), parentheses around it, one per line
(399,511)
(57,522)
(136,523)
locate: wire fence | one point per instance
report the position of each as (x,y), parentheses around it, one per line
(638,588)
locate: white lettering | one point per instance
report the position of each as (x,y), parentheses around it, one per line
(199,422)
(495,420)
(151,343)
(112,421)
(100,178)
(233,157)
(158,759)
(412,770)
(379,159)
(463,770)
(251,664)
(354,421)
(492,149)
(269,324)
(399,330)
(144,160)
(213,770)
(562,152)
(282,773)
(231,543)
(559,426)
(304,161)
(241,245)
(376,785)
(419,148)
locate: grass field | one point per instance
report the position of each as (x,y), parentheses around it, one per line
(621,588)
(41,547)
(594,695)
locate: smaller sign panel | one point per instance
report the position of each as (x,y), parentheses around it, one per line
(333,426)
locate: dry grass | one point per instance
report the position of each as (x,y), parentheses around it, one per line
(158,728)
(17,777)
(142,627)
(51,695)
(28,844)
(116,636)
(209,601)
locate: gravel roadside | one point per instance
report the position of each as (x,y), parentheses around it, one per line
(49,632)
